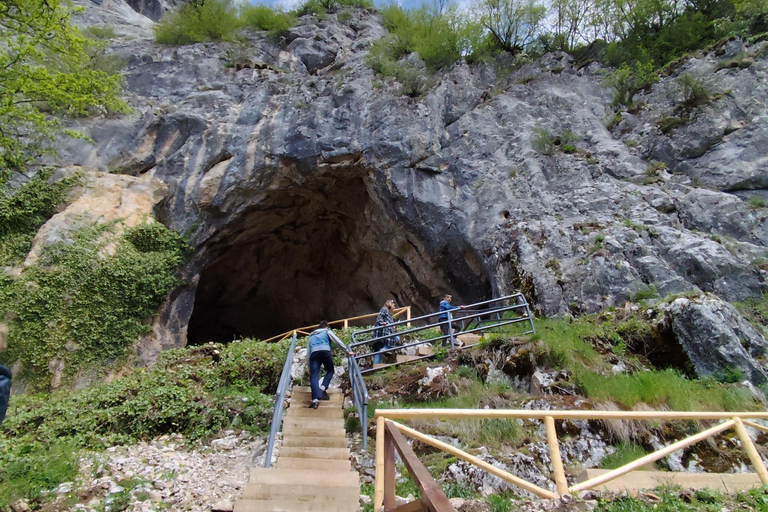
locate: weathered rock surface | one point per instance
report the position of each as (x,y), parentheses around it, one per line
(314,188)
(717,339)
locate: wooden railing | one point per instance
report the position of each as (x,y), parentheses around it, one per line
(384,490)
(343,324)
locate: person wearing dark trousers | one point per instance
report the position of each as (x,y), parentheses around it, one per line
(319,349)
(384,319)
(445,306)
(5,390)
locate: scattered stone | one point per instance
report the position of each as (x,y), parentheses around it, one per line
(223,506)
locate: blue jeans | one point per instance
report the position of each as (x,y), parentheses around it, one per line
(316,360)
(391,343)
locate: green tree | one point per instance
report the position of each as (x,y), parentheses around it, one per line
(45,73)
(513,24)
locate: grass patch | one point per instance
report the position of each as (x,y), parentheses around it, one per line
(624,454)
(665,388)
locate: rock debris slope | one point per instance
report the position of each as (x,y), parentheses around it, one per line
(312,187)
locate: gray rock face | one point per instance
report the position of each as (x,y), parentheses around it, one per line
(717,339)
(313,188)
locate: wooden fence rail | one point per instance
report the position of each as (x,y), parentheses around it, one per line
(387,429)
(343,324)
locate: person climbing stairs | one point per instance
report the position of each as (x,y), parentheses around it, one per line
(313,472)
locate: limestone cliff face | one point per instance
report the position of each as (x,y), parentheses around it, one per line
(313,188)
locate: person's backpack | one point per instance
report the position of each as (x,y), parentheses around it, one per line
(5,390)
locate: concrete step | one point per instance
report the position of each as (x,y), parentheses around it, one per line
(425,350)
(306,429)
(313,414)
(324,404)
(315,453)
(315,442)
(306,389)
(321,464)
(404,359)
(300,477)
(303,421)
(292,505)
(468,339)
(299,490)
(636,481)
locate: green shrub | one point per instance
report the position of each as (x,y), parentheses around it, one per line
(24,210)
(85,301)
(195,391)
(265,18)
(568,148)
(756,202)
(542,141)
(197,22)
(668,123)
(648,292)
(440,39)
(695,93)
(321,7)
(627,81)
(95,32)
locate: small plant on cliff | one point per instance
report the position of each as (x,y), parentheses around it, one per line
(198,21)
(265,18)
(86,300)
(627,81)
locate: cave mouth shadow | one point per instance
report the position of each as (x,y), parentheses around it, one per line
(328,249)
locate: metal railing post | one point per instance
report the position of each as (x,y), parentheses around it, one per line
(277,413)
(450,329)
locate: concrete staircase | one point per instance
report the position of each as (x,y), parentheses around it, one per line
(313,472)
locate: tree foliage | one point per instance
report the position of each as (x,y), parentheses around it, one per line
(514,24)
(45,72)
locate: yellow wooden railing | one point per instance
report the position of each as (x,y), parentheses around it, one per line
(343,324)
(736,420)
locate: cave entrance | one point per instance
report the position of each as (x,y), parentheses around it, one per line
(327,249)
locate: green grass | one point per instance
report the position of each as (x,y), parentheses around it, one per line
(624,454)
(703,500)
(665,388)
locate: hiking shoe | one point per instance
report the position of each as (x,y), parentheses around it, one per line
(325,396)
(313,405)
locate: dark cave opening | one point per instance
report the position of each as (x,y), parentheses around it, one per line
(324,250)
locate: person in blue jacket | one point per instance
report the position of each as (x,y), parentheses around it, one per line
(5,390)
(319,350)
(445,306)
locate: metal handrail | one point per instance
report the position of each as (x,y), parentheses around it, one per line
(359,396)
(470,312)
(360,390)
(282,389)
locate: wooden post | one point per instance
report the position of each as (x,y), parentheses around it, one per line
(749,447)
(346,324)
(378,496)
(554,454)
(389,470)
(408,316)
(432,497)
